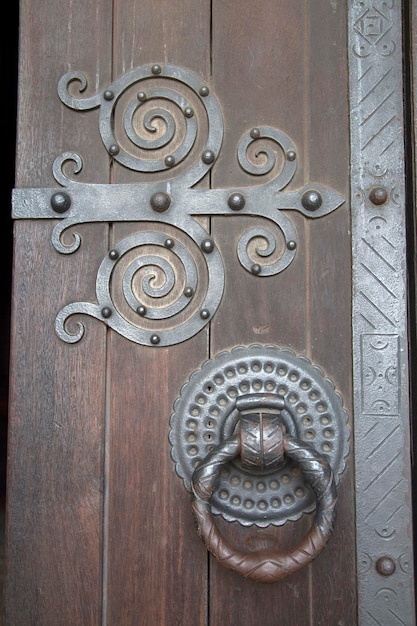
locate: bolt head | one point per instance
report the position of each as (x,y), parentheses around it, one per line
(291,245)
(114,149)
(204,91)
(204,314)
(207,245)
(311,200)
(169,243)
(156,69)
(236,201)
(160,201)
(60,202)
(385,566)
(188,292)
(169,161)
(256,269)
(142,96)
(106,312)
(255,133)
(208,156)
(188,112)
(378,195)
(108,94)
(155,339)
(141,310)
(114,255)
(291,155)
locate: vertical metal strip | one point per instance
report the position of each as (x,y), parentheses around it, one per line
(380,350)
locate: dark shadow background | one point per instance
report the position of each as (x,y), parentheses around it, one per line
(8,74)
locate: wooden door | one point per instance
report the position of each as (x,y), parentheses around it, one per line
(100,528)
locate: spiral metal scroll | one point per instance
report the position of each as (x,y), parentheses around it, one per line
(153,100)
(266,566)
(193,316)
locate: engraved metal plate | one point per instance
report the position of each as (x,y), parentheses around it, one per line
(205,414)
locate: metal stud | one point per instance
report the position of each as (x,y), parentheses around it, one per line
(114,149)
(60,202)
(114,255)
(207,245)
(188,112)
(255,133)
(108,94)
(204,314)
(169,243)
(378,195)
(106,312)
(385,566)
(291,245)
(155,339)
(256,269)
(142,96)
(291,155)
(188,292)
(160,201)
(204,91)
(208,156)
(156,69)
(141,310)
(169,161)
(236,201)
(311,200)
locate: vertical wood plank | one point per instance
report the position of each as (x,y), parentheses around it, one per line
(57,398)
(156,563)
(279,68)
(330,286)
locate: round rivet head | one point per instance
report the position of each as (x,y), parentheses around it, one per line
(141,310)
(236,201)
(188,112)
(156,69)
(155,339)
(291,155)
(114,149)
(169,243)
(108,94)
(204,314)
(160,201)
(188,292)
(255,133)
(106,312)
(385,566)
(141,96)
(208,156)
(114,255)
(311,200)
(204,91)
(256,269)
(207,245)
(169,161)
(378,195)
(291,245)
(60,202)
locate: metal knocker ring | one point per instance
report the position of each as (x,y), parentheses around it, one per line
(266,566)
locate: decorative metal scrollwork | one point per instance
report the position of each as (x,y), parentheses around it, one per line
(163,119)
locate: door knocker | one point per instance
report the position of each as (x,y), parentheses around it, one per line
(259,436)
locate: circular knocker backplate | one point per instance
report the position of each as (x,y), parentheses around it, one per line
(205,414)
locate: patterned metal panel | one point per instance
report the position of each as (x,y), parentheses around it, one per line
(380,346)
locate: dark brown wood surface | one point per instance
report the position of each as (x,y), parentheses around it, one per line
(100,529)
(57,400)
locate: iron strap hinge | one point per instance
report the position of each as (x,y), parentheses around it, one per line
(179,109)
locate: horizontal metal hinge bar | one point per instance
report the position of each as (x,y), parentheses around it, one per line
(131,202)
